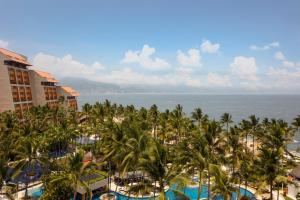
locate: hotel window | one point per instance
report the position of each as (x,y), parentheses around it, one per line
(54,94)
(22,93)
(15,94)
(28,94)
(19,77)
(24,107)
(12,76)
(18,110)
(26,78)
(46,93)
(30,105)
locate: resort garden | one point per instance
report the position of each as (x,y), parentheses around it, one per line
(145,152)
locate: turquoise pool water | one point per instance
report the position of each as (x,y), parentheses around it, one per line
(191,192)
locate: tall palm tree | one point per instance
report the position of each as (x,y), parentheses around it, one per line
(222,184)
(254,123)
(73,170)
(296,123)
(27,159)
(215,147)
(190,154)
(235,147)
(153,117)
(155,163)
(176,120)
(246,127)
(197,116)
(226,119)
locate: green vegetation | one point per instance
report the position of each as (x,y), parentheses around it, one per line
(167,147)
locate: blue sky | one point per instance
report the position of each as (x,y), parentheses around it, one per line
(252,45)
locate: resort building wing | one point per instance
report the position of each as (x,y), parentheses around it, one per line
(22,88)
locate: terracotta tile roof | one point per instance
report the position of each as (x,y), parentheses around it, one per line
(70,91)
(14,57)
(47,76)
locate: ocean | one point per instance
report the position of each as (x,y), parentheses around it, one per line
(286,107)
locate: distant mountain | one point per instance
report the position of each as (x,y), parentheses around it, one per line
(86,87)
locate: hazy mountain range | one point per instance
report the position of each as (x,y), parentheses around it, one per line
(86,87)
(89,87)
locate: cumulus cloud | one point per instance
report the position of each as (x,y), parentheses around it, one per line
(191,58)
(209,47)
(264,47)
(214,79)
(3,44)
(284,78)
(280,56)
(128,76)
(65,66)
(144,58)
(244,67)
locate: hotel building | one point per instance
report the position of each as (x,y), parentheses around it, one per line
(22,88)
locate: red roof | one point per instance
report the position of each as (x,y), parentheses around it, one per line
(14,56)
(47,76)
(70,90)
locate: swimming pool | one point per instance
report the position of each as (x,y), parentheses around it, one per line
(191,192)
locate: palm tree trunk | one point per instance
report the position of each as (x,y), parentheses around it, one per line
(277,192)
(199,185)
(253,141)
(208,187)
(239,188)
(246,140)
(246,184)
(271,190)
(154,189)
(74,195)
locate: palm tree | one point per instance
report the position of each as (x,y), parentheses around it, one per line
(222,182)
(245,126)
(254,123)
(296,123)
(153,117)
(215,147)
(235,147)
(199,117)
(226,119)
(73,170)
(155,163)
(190,154)
(27,159)
(269,162)
(176,118)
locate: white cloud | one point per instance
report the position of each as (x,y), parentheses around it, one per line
(214,79)
(283,78)
(264,47)
(279,56)
(143,57)
(3,44)
(192,58)
(127,76)
(286,63)
(65,66)
(244,67)
(208,47)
